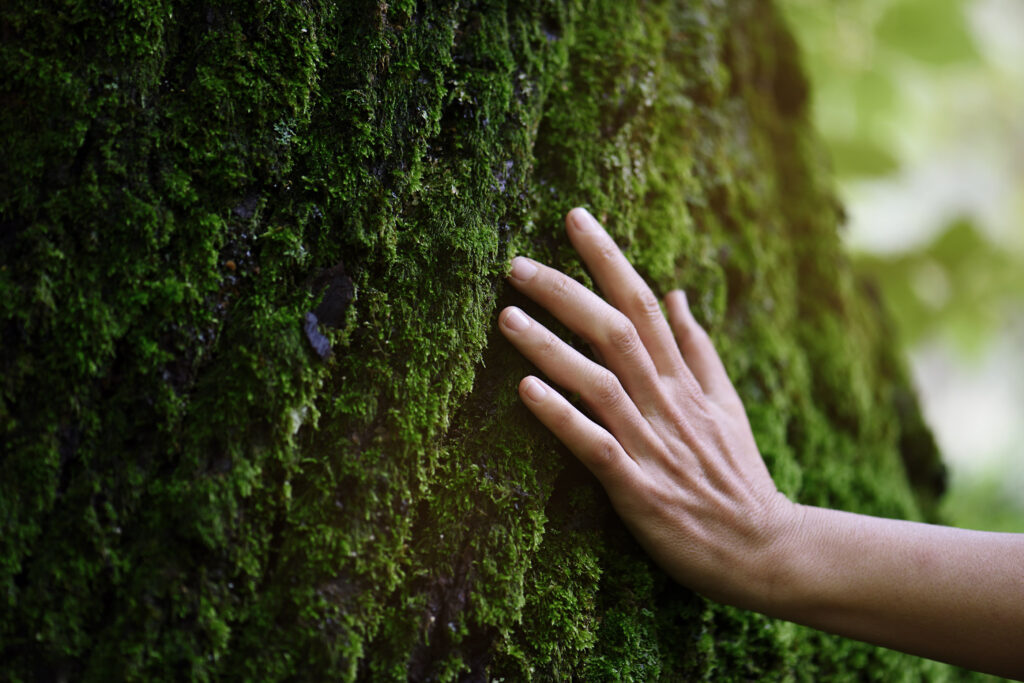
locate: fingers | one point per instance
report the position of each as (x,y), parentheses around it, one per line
(611,333)
(598,386)
(624,288)
(698,351)
(593,445)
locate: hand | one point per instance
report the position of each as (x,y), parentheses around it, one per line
(680,465)
(675,451)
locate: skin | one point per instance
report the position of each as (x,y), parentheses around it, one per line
(674,450)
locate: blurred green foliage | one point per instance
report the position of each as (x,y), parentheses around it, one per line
(933,31)
(865,59)
(984,503)
(959,288)
(919,99)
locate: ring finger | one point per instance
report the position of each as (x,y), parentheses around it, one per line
(598,386)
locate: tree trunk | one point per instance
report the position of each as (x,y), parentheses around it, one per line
(256,418)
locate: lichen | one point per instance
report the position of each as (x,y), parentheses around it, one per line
(191,490)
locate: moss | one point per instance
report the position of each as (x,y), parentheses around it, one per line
(189,491)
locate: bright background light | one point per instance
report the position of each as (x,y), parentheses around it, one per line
(922,105)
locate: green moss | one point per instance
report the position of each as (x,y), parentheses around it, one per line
(189,491)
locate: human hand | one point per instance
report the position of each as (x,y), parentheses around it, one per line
(675,452)
(679,462)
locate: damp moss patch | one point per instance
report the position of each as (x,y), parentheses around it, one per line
(197,484)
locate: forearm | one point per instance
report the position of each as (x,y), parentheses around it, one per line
(949,594)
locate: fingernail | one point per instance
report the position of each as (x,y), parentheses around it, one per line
(515,320)
(523,268)
(582,219)
(534,390)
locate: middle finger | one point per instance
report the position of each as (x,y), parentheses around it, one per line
(625,289)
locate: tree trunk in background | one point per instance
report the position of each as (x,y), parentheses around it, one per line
(256,418)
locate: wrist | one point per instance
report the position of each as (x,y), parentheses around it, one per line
(766,568)
(782,571)
(809,580)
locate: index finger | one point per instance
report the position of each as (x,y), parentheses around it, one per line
(624,289)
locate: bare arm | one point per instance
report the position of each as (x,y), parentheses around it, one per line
(954,595)
(675,452)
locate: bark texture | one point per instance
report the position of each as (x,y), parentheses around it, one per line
(256,420)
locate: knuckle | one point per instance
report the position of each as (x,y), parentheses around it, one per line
(561,287)
(608,252)
(646,304)
(606,389)
(605,452)
(622,336)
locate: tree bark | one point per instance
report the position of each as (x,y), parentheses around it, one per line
(256,418)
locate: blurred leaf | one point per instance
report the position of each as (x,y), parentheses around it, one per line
(858,157)
(933,31)
(877,100)
(960,287)
(884,95)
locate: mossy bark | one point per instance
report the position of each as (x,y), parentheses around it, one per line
(199,480)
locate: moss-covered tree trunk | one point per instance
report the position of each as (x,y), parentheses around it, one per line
(256,421)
